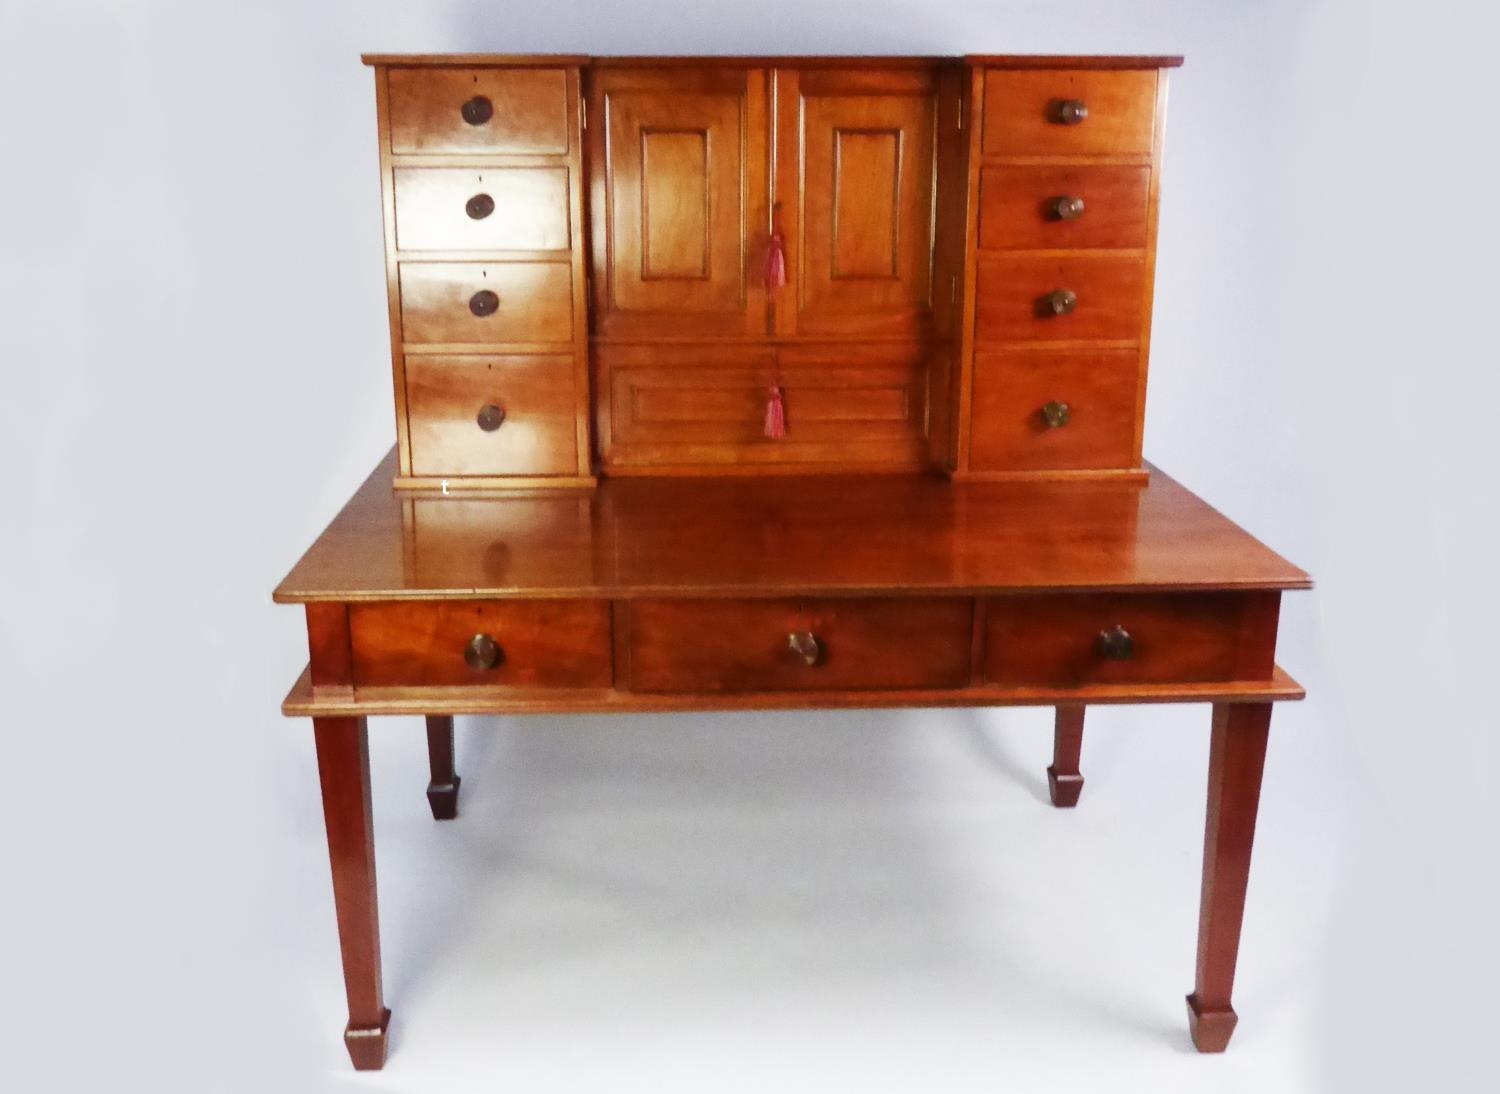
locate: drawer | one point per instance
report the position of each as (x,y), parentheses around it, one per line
(486,302)
(1057,640)
(482,209)
(1023,112)
(1015,295)
(841,644)
(532,643)
(1060,208)
(1054,409)
(533,426)
(505,111)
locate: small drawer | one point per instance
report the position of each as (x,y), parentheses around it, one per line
(1069,112)
(1054,410)
(486,302)
(1074,639)
(515,643)
(1028,298)
(798,645)
(482,209)
(1059,208)
(491,415)
(495,111)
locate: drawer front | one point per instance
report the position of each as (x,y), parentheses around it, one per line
(486,302)
(1054,409)
(1016,293)
(504,111)
(1057,640)
(482,209)
(747,645)
(534,420)
(1022,112)
(535,643)
(1059,208)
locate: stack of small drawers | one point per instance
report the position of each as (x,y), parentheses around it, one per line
(482,182)
(1066,249)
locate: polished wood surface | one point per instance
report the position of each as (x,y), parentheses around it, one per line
(527,111)
(1014,291)
(533,302)
(1019,112)
(1018,207)
(528,209)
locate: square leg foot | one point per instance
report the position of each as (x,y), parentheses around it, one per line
(1211,1029)
(443,798)
(367,1046)
(1064,788)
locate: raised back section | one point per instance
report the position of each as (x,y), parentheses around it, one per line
(662,266)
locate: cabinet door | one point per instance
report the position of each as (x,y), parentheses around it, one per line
(678,182)
(853,197)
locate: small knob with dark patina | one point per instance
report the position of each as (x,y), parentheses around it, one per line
(477,110)
(804,646)
(1059,302)
(1069,111)
(491,417)
(483,653)
(1116,644)
(1056,414)
(479,206)
(1066,207)
(484,303)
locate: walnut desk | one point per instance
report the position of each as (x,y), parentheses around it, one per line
(806,592)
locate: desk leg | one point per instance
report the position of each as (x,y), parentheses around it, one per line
(344,771)
(442,791)
(1236,758)
(1063,778)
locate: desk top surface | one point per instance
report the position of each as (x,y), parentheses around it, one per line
(781,536)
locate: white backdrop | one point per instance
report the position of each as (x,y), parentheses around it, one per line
(194,353)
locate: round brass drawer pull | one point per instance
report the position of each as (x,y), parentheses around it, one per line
(1069,111)
(1116,644)
(477,110)
(1067,207)
(1060,301)
(804,645)
(484,303)
(483,653)
(1056,414)
(491,417)
(479,206)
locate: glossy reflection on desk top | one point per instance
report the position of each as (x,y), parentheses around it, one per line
(781,535)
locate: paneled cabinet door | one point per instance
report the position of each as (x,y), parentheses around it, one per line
(853,198)
(678,191)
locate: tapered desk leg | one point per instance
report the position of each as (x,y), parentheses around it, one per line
(1063,778)
(442,791)
(1236,758)
(344,771)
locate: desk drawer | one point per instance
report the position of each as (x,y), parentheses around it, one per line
(489,111)
(1030,298)
(486,302)
(748,645)
(1059,639)
(1022,115)
(531,643)
(482,209)
(1054,409)
(1057,208)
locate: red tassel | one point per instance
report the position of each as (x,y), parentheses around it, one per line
(775,415)
(775,262)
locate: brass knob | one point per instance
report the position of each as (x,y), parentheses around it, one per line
(479,206)
(1069,111)
(477,110)
(1056,414)
(1116,644)
(805,646)
(483,653)
(484,303)
(1067,207)
(1060,301)
(491,417)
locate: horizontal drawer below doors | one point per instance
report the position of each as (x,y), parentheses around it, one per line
(797,644)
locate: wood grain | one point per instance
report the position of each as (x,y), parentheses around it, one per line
(535,302)
(529,111)
(1013,288)
(530,208)
(1018,116)
(1016,207)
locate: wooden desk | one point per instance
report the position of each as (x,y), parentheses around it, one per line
(787,592)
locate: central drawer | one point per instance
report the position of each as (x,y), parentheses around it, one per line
(797,644)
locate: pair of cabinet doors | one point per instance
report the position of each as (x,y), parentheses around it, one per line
(698,174)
